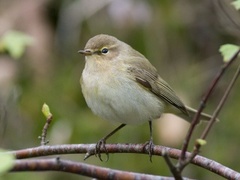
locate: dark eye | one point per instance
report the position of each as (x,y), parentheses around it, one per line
(104,51)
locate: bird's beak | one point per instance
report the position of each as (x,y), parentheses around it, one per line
(86,52)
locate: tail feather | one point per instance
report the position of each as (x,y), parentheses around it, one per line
(203,116)
(192,112)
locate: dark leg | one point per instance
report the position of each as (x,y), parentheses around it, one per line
(102,142)
(150,142)
(151,145)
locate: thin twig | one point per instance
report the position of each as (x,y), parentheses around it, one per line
(172,168)
(44,131)
(213,119)
(202,106)
(221,103)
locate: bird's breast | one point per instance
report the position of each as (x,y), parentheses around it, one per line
(114,96)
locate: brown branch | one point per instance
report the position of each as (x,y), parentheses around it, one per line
(80,168)
(213,119)
(200,161)
(44,131)
(201,107)
(177,174)
(221,103)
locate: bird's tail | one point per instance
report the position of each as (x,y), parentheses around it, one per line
(192,112)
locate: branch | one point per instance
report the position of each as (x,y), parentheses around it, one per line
(49,117)
(201,161)
(80,168)
(177,175)
(202,106)
(212,120)
(221,103)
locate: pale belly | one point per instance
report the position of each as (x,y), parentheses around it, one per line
(120,99)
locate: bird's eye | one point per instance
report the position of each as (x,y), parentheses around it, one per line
(104,51)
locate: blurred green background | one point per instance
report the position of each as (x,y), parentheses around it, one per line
(180,38)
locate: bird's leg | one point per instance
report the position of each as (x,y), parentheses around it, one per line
(150,142)
(102,142)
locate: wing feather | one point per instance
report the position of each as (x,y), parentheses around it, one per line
(149,78)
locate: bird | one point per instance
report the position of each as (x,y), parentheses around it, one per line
(120,84)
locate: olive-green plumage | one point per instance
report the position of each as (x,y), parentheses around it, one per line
(120,84)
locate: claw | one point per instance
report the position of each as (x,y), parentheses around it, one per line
(150,143)
(149,147)
(101,143)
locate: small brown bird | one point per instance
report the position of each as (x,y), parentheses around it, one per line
(120,84)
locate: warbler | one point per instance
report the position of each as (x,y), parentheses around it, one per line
(120,84)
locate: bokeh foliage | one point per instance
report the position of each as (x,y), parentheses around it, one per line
(180,38)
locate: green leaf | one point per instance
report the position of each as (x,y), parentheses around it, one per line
(6,161)
(46,111)
(236,4)
(228,51)
(202,142)
(15,43)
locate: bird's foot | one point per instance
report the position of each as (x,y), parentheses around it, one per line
(101,143)
(149,147)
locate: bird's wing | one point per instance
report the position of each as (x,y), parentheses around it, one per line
(147,76)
